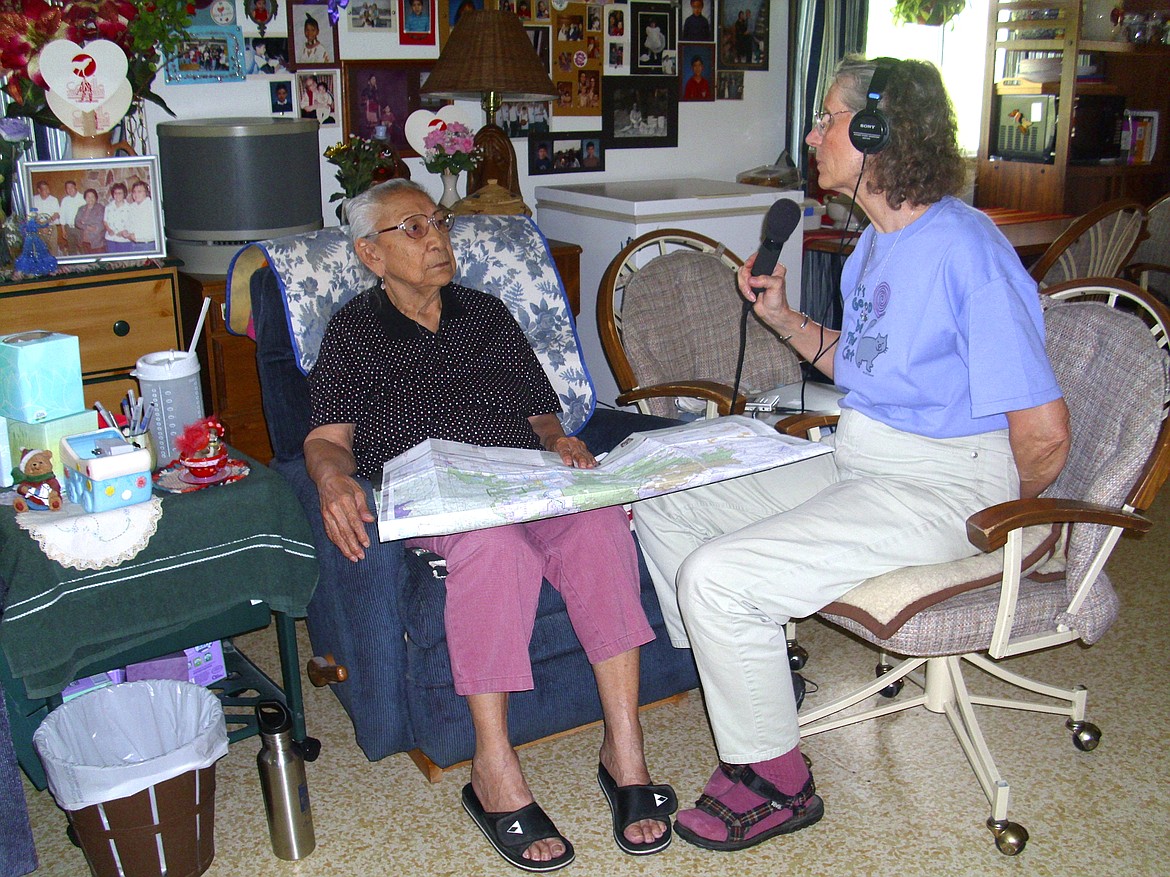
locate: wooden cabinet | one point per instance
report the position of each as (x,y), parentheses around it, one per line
(117,316)
(1029,29)
(231,382)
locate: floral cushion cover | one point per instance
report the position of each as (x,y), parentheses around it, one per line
(505,256)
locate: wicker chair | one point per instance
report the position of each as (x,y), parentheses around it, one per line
(1149,266)
(1097,244)
(668,312)
(1040,583)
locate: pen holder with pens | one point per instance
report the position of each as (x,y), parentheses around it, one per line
(144,440)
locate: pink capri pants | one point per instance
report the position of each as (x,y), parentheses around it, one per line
(493,583)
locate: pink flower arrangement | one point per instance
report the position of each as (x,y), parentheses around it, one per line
(450,146)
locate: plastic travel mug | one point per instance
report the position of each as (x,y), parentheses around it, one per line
(170,380)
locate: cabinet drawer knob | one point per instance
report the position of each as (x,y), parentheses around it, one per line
(121,328)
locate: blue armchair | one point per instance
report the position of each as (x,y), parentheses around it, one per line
(382,619)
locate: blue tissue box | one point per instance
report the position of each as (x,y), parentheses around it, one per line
(40,376)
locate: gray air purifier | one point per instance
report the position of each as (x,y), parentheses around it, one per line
(229,182)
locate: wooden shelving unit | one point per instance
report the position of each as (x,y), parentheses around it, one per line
(1139,73)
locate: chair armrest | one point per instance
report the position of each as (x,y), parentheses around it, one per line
(800,425)
(1134,270)
(711,391)
(608,427)
(354,615)
(988,529)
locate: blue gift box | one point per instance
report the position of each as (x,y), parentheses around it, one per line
(40,376)
(103,471)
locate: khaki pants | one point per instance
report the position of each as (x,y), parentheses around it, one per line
(732,562)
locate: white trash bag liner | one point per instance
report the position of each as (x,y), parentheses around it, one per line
(117,741)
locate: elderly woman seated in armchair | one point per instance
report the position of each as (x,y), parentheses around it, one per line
(419,357)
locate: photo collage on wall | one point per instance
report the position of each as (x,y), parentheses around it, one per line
(620,69)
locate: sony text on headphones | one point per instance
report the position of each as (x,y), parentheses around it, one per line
(869,129)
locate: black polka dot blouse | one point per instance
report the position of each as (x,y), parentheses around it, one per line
(476,380)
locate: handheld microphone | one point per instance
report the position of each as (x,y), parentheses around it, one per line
(782,219)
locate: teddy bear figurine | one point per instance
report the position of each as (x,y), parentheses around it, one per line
(37,486)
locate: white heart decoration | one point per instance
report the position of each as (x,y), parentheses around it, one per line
(87,123)
(420,122)
(83,77)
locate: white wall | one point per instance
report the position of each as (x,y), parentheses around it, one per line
(716,140)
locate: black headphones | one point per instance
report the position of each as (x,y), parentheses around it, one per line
(869,129)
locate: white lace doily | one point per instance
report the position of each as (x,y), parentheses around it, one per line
(93,541)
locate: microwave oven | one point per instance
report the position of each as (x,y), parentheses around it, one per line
(1026,127)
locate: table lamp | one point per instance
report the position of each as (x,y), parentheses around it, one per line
(489,56)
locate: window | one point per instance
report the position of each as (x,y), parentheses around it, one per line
(958,49)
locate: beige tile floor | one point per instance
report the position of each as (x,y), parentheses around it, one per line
(899,796)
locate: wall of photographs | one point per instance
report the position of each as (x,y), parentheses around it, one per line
(645,89)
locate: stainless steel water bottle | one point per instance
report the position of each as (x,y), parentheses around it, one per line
(282,779)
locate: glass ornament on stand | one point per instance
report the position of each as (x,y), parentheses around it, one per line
(35,259)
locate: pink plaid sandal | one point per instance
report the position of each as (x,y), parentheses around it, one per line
(805,808)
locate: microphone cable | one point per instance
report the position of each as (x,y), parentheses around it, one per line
(828,303)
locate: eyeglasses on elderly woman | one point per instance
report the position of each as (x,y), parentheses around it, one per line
(823,119)
(415,227)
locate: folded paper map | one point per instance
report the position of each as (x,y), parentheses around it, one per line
(440,487)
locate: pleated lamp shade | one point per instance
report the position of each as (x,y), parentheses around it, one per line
(488,53)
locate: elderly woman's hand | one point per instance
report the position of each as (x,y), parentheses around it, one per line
(552,438)
(573,452)
(344,509)
(345,513)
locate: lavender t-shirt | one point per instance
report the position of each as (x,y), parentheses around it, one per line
(942,331)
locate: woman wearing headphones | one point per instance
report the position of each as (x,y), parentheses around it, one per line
(951,406)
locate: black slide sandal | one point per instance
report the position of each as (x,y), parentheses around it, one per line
(510,834)
(630,804)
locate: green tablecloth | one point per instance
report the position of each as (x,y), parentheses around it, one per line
(214,548)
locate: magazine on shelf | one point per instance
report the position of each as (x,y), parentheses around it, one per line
(1139,135)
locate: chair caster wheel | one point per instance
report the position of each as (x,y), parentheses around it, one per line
(894,688)
(310,748)
(1010,837)
(71,833)
(797,655)
(1086,735)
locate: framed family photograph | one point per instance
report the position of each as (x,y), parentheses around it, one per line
(698,62)
(522,118)
(280,95)
(654,38)
(207,54)
(695,24)
(743,34)
(639,112)
(567,152)
(97,209)
(372,15)
(450,12)
(265,56)
(312,38)
(261,13)
(416,22)
(318,95)
(385,93)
